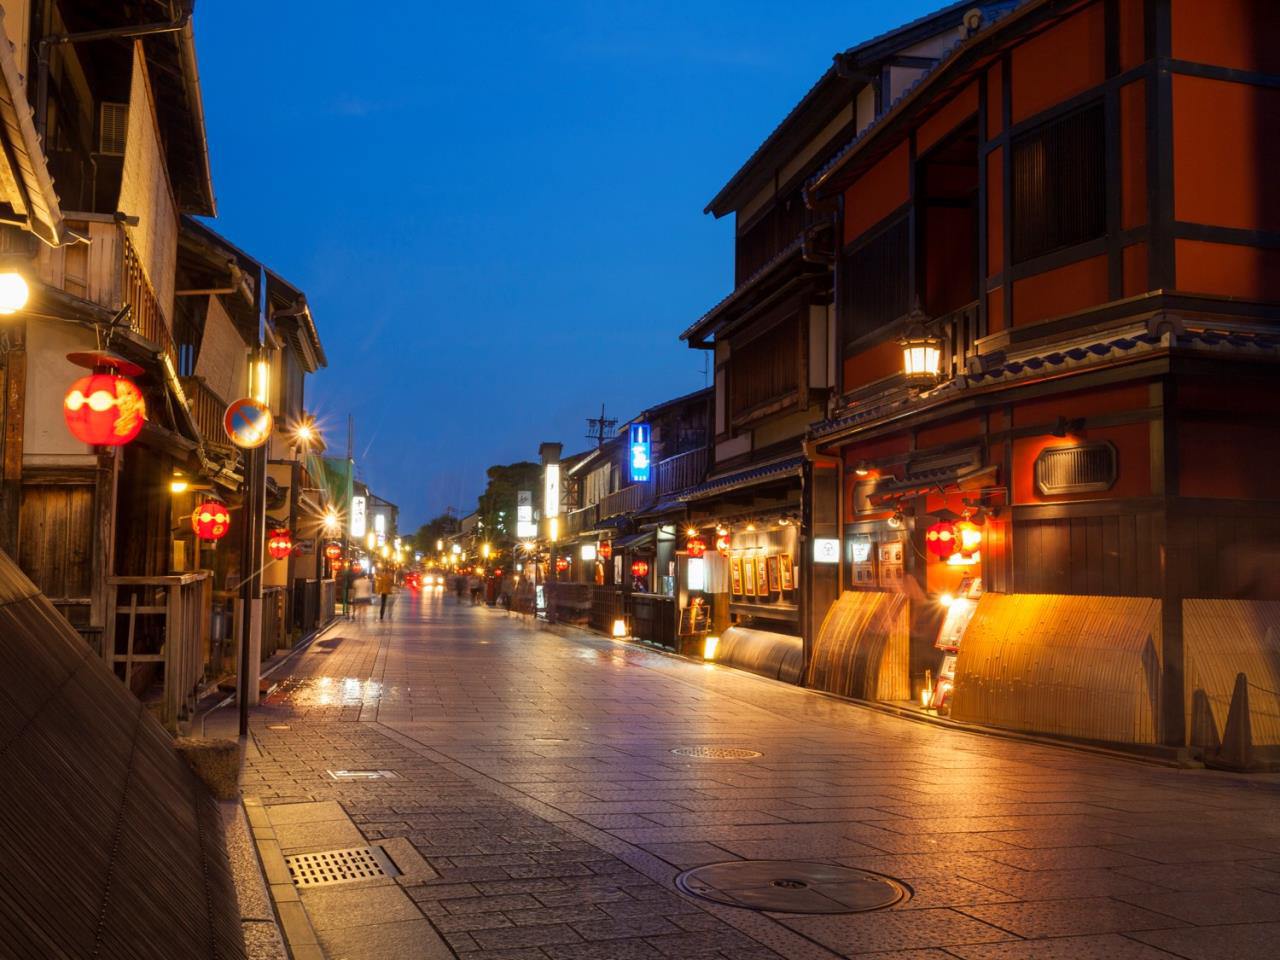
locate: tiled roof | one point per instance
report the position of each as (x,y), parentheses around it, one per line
(788,252)
(744,478)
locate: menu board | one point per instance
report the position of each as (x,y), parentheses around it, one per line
(735,576)
(748,576)
(788,574)
(762,580)
(774,574)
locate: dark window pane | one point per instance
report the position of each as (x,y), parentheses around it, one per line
(874,282)
(1059,184)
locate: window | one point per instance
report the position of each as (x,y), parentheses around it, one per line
(1079,468)
(766,368)
(874,282)
(1059,184)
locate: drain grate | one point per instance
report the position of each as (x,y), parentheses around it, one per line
(792,886)
(363,775)
(717,753)
(339,866)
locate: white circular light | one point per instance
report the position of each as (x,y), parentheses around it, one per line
(13,292)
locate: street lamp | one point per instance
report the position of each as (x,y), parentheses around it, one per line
(13,292)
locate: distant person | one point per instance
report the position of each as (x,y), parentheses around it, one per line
(459,586)
(477,589)
(382,585)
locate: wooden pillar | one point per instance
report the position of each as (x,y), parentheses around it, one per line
(13,379)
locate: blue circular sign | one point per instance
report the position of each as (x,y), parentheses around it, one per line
(248,423)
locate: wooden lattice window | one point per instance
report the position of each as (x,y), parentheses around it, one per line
(1076,468)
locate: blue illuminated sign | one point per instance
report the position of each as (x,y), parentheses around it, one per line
(639,452)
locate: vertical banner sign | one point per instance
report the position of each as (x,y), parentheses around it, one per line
(526,529)
(639,453)
(551,499)
(358,522)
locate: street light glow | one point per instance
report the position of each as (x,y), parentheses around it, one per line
(13,292)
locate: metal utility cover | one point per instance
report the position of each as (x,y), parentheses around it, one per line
(792,886)
(717,753)
(363,775)
(339,866)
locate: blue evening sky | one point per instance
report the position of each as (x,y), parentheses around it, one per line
(495,209)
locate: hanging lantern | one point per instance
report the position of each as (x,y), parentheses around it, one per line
(640,568)
(105,408)
(968,536)
(696,546)
(333,551)
(211,520)
(921,359)
(280,543)
(722,543)
(940,538)
(605,549)
(562,564)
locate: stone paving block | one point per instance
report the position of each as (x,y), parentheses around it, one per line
(1254,941)
(1204,907)
(1104,947)
(405,940)
(895,930)
(1062,918)
(357,905)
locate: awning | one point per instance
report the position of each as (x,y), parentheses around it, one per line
(24,173)
(947,480)
(745,478)
(641,539)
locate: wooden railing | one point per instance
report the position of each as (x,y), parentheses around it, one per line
(959,332)
(207,409)
(159,622)
(575,521)
(680,472)
(145,316)
(627,500)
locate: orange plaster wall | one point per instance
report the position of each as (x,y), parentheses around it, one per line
(1133,154)
(1227,270)
(1059,63)
(1135,269)
(877,193)
(995,212)
(959,109)
(1056,292)
(1226,150)
(1083,404)
(1228,460)
(1132,35)
(970,428)
(995,310)
(1133,463)
(1229,33)
(995,112)
(874,363)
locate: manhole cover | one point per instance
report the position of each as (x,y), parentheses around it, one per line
(339,866)
(792,886)
(716,753)
(363,775)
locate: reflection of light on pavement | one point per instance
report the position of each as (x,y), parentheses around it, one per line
(350,688)
(372,689)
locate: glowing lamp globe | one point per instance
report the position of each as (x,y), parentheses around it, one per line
(211,520)
(722,544)
(941,539)
(333,551)
(640,568)
(696,546)
(605,549)
(13,292)
(562,564)
(106,408)
(968,537)
(280,543)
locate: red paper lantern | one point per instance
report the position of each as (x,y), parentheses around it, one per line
(280,543)
(640,568)
(722,544)
(968,537)
(105,409)
(333,551)
(605,549)
(696,546)
(562,564)
(941,539)
(211,520)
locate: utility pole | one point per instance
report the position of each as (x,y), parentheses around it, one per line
(255,508)
(346,523)
(601,428)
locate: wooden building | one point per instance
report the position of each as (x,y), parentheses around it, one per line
(1075,209)
(776,345)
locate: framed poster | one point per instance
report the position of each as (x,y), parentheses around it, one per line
(787,571)
(762,582)
(735,576)
(748,576)
(774,572)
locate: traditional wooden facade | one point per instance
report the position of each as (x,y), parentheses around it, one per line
(1074,208)
(774,339)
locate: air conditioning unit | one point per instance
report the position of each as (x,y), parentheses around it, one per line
(113,128)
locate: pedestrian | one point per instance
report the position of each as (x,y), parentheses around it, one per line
(459,586)
(382,586)
(476,588)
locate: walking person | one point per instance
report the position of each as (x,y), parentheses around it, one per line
(476,588)
(382,586)
(459,586)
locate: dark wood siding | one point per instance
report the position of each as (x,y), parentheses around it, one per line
(56,543)
(874,286)
(1116,556)
(766,368)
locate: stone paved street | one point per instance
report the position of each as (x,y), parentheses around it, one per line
(536,778)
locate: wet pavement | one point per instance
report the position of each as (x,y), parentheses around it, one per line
(534,774)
